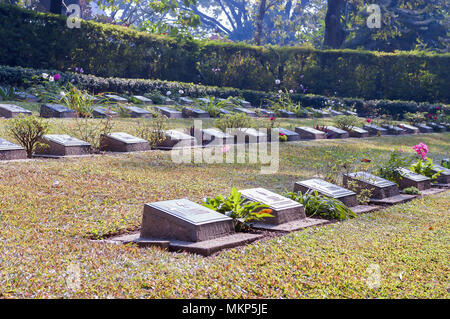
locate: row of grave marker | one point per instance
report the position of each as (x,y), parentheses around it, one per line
(182,225)
(65,145)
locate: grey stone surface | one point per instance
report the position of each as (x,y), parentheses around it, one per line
(225,111)
(394,130)
(248,135)
(169,112)
(143,100)
(334,132)
(291,226)
(194,112)
(26,97)
(393,200)
(346,196)
(245,111)
(336,113)
(409,129)
(444,177)
(267,113)
(123,142)
(57,111)
(12,110)
(309,133)
(103,112)
(437,127)
(62,145)
(424,128)
(176,139)
(283,209)
(10,151)
(358,132)
(115,98)
(380,187)
(321,113)
(212,136)
(136,112)
(184,220)
(168,101)
(347,112)
(375,130)
(287,114)
(411,179)
(186,101)
(291,136)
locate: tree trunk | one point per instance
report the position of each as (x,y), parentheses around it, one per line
(334,32)
(260,21)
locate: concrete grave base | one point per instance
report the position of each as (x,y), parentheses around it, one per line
(291,226)
(362,209)
(440,185)
(432,191)
(108,143)
(54,149)
(389,201)
(8,155)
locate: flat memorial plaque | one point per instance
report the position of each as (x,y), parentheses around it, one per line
(184,220)
(336,113)
(411,179)
(215,136)
(127,138)
(267,113)
(372,179)
(138,112)
(291,136)
(409,128)
(12,110)
(424,128)
(143,99)
(8,146)
(56,110)
(358,132)
(186,101)
(245,103)
(374,130)
(249,135)
(194,112)
(116,98)
(381,189)
(287,114)
(444,176)
(328,189)
(248,112)
(394,130)
(309,133)
(169,112)
(123,142)
(334,132)
(347,112)
(11,151)
(103,111)
(176,139)
(284,209)
(65,140)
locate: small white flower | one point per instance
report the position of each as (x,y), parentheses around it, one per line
(44,75)
(277,81)
(280,91)
(51,79)
(291,91)
(168,93)
(62,94)
(181,91)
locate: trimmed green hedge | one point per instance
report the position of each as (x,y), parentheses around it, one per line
(25,77)
(39,40)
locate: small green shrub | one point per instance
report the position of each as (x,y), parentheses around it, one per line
(316,204)
(152,130)
(242,211)
(234,120)
(27,130)
(425,167)
(411,191)
(346,122)
(390,169)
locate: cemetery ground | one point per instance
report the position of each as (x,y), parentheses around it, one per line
(54,211)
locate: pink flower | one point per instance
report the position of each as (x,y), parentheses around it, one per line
(368,121)
(57,77)
(421,149)
(438,108)
(272,118)
(281,134)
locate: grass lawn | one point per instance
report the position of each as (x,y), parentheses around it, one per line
(46,231)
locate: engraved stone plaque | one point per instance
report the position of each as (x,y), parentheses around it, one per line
(11,110)
(57,111)
(380,187)
(325,188)
(309,133)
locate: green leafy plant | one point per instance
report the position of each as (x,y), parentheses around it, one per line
(27,130)
(411,191)
(152,130)
(446,164)
(317,204)
(211,106)
(390,169)
(346,122)
(234,120)
(242,211)
(7,93)
(414,118)
(425,167)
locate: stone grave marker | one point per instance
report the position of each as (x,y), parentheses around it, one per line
(267,113)
(249,135)
(169,112)
(12,110)
(334,132)
(123,142)
(186,101)
(247,112)
(212,136)
(321,113)
(411,179)
(287,114)
(62,145)
(384,192)
(203,100)
(225,111)
(437,127)
(288,215)
(194,112)
(375,130)
(56,111)
(409,129)
(103,112)
(115,98)
(136,112)
(309,133)
(291,136)
(424,128)
(26,97)
(394,130)
(444,177)
(143,100)
(10,151)
(188,226)
(358,132)
(336,113)
(176,139)
(245,103)
(347,112)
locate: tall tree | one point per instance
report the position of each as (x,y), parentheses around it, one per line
(334,31)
